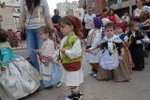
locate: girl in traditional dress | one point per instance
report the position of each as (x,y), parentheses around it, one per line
(120,30)
(112,55)
(93,40)
(50,71)
(18,75)
(136,40)
(71,55)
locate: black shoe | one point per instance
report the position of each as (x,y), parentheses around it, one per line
(78,96)
(70,97)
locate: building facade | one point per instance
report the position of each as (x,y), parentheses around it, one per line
(124,5)
(6,19)
(81,3)
(13,7)
(67,8)
(96,5)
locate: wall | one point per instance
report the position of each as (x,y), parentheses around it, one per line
(8,20)
(97,5)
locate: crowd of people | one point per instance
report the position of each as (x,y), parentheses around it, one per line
(113,46)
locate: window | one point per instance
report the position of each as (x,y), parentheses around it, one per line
(18,10)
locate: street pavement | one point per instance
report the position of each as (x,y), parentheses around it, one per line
(137,89)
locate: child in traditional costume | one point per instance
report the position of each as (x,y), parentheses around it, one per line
(120,29)
(93,40)
(50,71)
(112,55)
(136,41)
(18,75)
(71,55)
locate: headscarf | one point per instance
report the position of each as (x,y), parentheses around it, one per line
(98,22)
(78,27)
(121,25)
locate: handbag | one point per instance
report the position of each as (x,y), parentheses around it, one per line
(23,34)
(72,66)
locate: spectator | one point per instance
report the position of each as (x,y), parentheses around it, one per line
(140,8)
(104,13)
(55,20)
(145,19)
(112,16)
(87,19)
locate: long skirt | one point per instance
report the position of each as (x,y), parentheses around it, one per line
(21,78)
(54,77)
(128,59)
(103,74)
(122,73)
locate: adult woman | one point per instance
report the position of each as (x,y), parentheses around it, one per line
(34,13)
(140,8)
(145,19)
(112,16)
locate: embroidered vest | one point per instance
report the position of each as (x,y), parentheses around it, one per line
(68,45)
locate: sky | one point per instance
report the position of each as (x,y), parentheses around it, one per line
(53,4)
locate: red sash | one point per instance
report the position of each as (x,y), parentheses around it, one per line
(72,66)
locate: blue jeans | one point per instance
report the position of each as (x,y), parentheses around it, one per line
(33,42)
